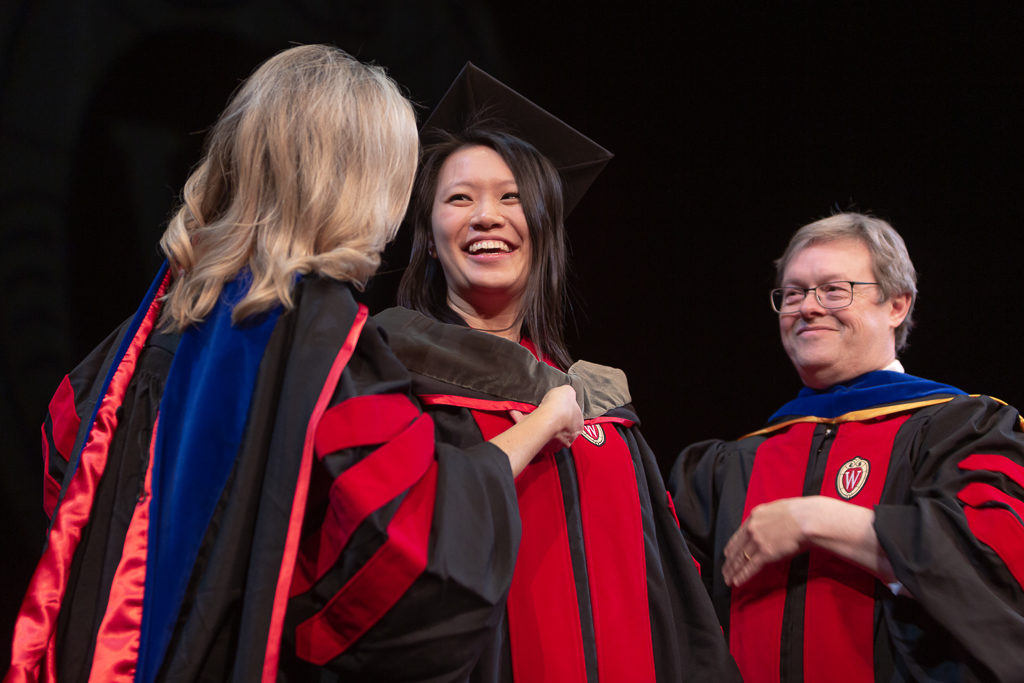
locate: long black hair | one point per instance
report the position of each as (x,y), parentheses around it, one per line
(423,287)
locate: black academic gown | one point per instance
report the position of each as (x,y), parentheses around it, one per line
(944,474)
(604,587)
(343,542)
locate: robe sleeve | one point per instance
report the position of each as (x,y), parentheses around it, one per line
(407,558)
(694,485)
(71,405)
(692,630)
(957,543)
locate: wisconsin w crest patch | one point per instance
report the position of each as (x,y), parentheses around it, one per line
(852,476)
(594,434)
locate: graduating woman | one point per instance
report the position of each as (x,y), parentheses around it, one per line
(240,483)
(604,588)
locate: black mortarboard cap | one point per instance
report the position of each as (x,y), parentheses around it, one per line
(475,96)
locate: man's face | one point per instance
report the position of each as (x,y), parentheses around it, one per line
(830,346)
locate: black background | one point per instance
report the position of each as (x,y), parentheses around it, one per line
(732,126)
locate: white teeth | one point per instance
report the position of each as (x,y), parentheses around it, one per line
(488,245)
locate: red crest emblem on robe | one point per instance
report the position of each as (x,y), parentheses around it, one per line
(851,477)
(594,434)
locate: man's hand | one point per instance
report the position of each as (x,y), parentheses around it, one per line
(771,533)
(783,528)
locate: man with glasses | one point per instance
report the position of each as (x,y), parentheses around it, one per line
(874,530)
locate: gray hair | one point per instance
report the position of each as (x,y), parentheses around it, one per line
(891,265)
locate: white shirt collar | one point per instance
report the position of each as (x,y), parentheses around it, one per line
(894,366)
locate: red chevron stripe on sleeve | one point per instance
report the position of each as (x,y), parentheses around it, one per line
(997,520)
(363,421)
(994,463)
(379,584)
(62,428)
(386,473)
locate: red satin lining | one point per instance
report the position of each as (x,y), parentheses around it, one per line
(545,634)
(51,487)
(997,527)
(839,612)
(64,418)
(616,566)
(487,405)
(675,518)
(33,633)
(378,584)
(476,403)
(672,509)
(994,463)
(625,422)
(272,654)
(363,421)
(359,491)
(117,642)
(755,621)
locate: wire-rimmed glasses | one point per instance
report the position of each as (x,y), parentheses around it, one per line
(831,295)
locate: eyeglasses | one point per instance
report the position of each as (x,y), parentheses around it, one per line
(831,295)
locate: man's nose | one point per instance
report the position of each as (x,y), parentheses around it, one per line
(810,306)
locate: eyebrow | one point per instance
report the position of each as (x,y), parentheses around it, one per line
(476,185)
(792,282)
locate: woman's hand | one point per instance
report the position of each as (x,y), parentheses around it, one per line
(555,423)
(561,412)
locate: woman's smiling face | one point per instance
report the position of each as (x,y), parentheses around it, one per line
(479,231)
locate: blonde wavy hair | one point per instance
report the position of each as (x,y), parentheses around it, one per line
(307,170)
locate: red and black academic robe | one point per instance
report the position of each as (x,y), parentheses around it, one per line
(604,587)
(262,501)
(944,473)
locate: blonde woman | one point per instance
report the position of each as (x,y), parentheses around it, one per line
(239,482)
